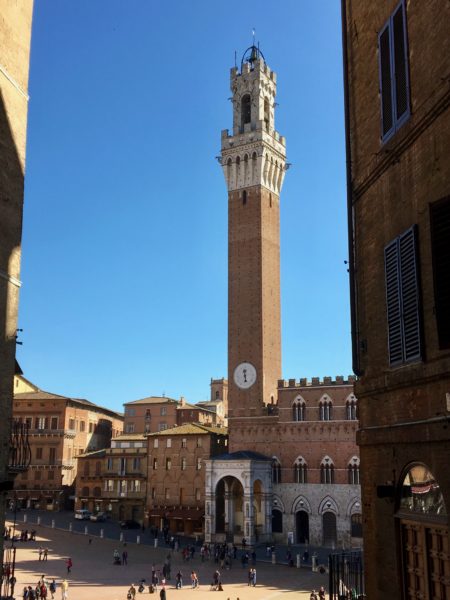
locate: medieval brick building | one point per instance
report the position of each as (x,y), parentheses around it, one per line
(59,430)
(396,69)
(15,38)
(292,471)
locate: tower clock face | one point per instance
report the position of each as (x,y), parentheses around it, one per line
(244,375)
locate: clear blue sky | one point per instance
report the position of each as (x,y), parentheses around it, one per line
(124,262)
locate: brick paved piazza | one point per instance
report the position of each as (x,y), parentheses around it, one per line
(94,577)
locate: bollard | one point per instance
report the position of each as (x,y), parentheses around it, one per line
(156,542)
(314,563)
(138,539)
(70,527)
(53,523)
(299,561)
(85,530)
(102,533)
(25,518)
(121,537)
(274,558)
(39,520)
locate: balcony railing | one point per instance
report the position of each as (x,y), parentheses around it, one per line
(116,494)
(19,447)
(68,433)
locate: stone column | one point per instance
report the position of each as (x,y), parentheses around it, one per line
(229,513)
(267,510)
(210,518)
(249,518)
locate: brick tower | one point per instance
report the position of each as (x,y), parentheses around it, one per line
(253,160)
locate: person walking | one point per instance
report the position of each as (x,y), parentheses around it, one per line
(125,557)
(52,588)
(193,579)
(69,564)
(179,580)
(131,592)
(322,593)
(64,589)
(45,557)
(162,594)
(254,577)
(40,550)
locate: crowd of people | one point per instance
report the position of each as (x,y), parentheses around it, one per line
(43,588)
(20,536)
(222,554)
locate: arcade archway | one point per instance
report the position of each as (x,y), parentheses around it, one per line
(302,526)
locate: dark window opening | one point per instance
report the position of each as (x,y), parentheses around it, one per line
(244,197)
(356,525)
(266,113)
(393,66)
(440,248)
(277,521)
(246,110)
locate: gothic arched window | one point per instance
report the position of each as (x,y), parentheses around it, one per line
(350,406)
(266,113)
(300,470)
(298,410)
(276,471)
(325,407)
(327,471)
(246,110)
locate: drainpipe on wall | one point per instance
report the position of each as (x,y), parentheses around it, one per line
(350,211)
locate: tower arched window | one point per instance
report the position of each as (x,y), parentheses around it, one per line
(276,471)
(353,471)
(266,113)
(325,410)
(246,110)
(326,471)
(298,410)
(351,410)
(300,470)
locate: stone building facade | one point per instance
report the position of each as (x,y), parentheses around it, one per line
(59,430)
(15,37)
(176,475)
(157,413)
(292,471)
(396,68)
(114,480)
